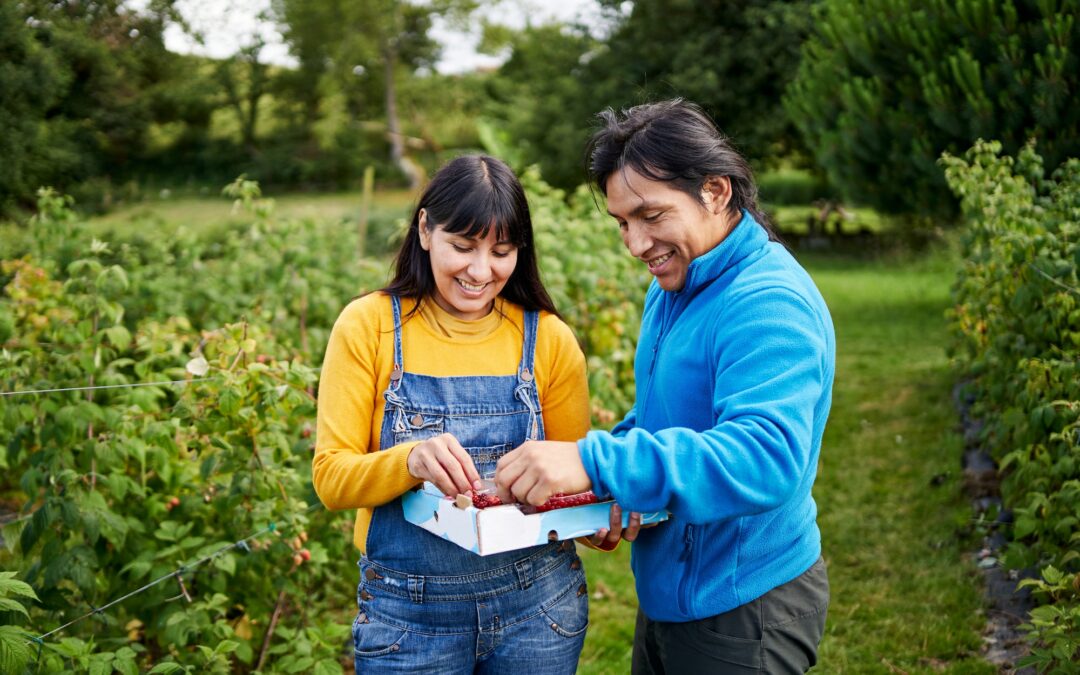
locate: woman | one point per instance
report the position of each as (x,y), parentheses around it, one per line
(734,372)
(459,359)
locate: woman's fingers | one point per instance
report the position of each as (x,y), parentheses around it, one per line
(471,477)
(443,462)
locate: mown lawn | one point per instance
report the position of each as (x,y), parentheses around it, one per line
(905,595)
(207,213)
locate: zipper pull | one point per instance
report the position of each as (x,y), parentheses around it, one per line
(688,541)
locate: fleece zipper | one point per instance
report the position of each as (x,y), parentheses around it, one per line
(687,582)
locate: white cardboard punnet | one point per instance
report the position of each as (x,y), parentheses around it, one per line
(505,528)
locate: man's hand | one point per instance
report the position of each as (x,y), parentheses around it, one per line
(442,461)
(535,470)
(607,539)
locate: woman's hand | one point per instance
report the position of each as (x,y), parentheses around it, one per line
(443,462)
(607,539)
(535,470)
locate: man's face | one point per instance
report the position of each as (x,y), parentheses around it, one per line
(664,227)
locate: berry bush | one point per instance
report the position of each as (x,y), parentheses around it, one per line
(1016,334)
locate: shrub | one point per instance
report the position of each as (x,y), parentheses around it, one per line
(886,86)
(1016,332)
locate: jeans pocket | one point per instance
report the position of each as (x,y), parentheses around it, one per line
(568,615)
(373,638)
(416,426)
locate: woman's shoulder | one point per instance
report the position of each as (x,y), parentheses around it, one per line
(373,310)
(553,331)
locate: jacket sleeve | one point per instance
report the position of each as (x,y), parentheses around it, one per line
(626,424)
(771,366)
(346,471)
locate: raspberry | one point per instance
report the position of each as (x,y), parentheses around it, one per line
(561,501)
(482,500)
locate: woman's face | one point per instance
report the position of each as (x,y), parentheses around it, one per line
(664,227)
(469,273)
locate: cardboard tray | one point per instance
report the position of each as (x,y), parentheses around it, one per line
(497,529)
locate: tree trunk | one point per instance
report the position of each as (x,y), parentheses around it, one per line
(393,125)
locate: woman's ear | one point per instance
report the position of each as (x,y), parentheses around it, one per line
(425,234)
(716,192)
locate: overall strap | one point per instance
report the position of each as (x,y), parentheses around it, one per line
(526,369)
(399,362)
(525,391)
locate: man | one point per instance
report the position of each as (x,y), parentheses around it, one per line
(734,372)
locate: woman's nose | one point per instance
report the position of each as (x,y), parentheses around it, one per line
(479,266)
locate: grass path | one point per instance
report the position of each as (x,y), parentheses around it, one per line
(905,595)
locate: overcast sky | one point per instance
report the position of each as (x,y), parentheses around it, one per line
(229,24)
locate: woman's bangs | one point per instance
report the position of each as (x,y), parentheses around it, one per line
(474,218)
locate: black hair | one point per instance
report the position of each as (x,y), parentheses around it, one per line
(673,141)
(468,196)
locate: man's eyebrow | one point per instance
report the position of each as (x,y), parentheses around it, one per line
(640,208)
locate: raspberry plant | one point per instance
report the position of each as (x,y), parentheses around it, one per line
(1016,333)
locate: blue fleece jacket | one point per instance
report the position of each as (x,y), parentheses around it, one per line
(734,382)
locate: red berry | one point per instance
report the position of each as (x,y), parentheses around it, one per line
(305,554)
(561,501)
(482,500)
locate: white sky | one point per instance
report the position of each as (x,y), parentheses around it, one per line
(228,25)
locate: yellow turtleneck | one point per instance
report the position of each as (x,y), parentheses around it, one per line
(347,471)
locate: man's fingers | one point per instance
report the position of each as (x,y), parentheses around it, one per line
(631,532)
(507,472)
(538,493)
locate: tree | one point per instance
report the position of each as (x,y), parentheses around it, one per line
(30,82)
(734,58)
(364,45)
(75,82)
(886,86)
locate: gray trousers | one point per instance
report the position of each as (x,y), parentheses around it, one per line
(776,633)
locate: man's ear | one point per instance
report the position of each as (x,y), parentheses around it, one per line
(716,192)
(425,234)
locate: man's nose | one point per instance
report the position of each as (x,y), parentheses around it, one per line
(636,240)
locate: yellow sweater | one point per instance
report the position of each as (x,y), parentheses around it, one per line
(348,471)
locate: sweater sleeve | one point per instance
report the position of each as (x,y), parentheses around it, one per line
(347,473)
(565,398)
(769,375)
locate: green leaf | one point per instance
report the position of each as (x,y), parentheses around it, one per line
(165,668)
(9,585)
(302,665)
(9,605)
(226,647)
(226,562)
(118,336)
(15,650)
(327,667)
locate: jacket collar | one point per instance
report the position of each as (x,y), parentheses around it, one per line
(746,237)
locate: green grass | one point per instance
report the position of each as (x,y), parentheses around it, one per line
(905,595)
(204,214)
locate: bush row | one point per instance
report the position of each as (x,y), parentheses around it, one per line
(1016,334)
(198,496)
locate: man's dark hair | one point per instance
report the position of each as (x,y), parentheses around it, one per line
(673,141)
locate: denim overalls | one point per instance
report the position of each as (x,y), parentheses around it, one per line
(428,605)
